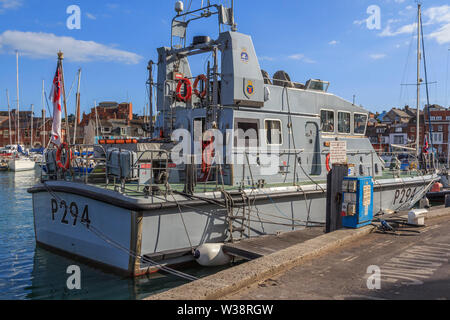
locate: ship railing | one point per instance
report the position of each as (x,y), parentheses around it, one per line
(154,168)
(158,173)
(89,162)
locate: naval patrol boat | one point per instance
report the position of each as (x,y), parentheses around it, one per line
(233,154)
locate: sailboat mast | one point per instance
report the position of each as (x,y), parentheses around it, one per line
(419,12)
(77,112)
(9,118)
(96,119)
(43,114)
(32,116)
(18,103)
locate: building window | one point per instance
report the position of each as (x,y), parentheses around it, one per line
(360,123)
(399,139)
(398,130)
(327,121)
(438,118)
(440,128)
(413,129)
(273,132)
(6,133)
(433,118)
(344,122)
(123,131)
(437,137)
(106,130)
(380,130)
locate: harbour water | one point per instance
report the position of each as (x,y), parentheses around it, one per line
(29,272)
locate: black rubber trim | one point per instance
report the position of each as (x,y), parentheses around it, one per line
(131,204)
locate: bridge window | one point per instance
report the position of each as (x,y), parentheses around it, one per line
(327,121)
(273,132)
(246,135)
(360,123)
(344,122)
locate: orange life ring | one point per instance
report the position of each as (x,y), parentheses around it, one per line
(204,80)
(207,157)
(188,93)
(60,165)
(327,162)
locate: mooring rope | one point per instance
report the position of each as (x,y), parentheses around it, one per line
(108,240)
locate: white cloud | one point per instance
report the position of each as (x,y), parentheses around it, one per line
(442,36)
(9,4)
(46,45)
(266,58)
(439,16)
(435,18)
(377,56)
(333,42)
(91,16)
(407,29)
(360,22)
(300,57)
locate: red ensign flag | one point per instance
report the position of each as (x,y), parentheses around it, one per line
(56,99)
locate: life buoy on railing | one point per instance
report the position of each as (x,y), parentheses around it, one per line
(327,162)
(204,81)
(187,93)
(60,165)
(207,156)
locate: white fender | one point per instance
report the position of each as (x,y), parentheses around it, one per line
(211,255)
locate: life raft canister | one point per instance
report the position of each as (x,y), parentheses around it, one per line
(437,187)
(187,93)
(204,83)
(69,155)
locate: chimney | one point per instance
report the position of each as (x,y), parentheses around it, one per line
(130,111)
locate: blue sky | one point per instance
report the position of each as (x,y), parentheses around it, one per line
(324,39)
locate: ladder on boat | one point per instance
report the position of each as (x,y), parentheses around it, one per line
(238,219)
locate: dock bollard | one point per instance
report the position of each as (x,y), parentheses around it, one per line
(447,201)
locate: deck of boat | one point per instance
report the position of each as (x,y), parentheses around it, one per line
(132,189)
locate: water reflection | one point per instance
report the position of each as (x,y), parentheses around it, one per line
(30,272)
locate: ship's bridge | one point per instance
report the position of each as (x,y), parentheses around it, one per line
(317,84)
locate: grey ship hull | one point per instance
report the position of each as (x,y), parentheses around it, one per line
(122,230)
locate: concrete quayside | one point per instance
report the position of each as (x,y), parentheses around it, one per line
(254,279)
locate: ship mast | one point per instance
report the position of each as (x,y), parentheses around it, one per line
(419,13)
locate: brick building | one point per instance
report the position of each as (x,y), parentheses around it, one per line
(439,117)
(399,127)
(8,135)
(109,111)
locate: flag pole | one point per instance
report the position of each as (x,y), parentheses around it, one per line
(60,59)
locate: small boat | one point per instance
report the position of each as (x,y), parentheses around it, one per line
(4,165)
(21,164)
